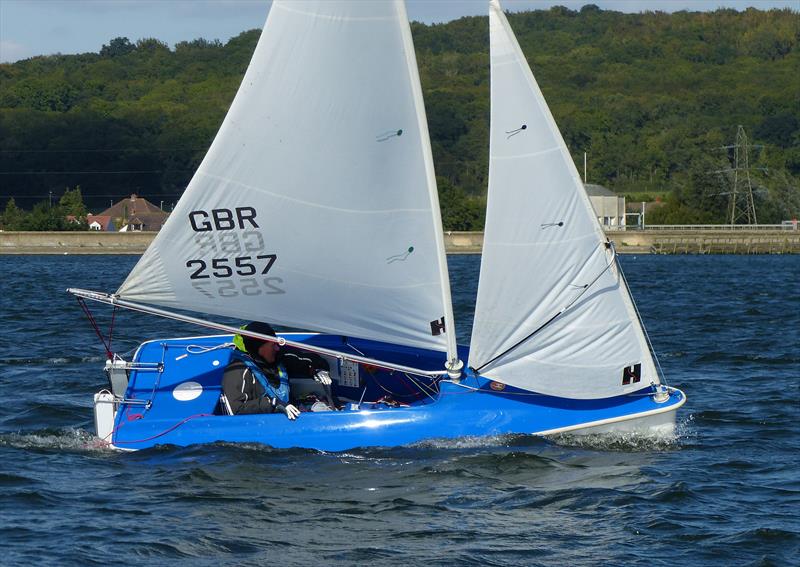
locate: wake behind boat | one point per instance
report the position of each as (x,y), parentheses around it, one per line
(316,208)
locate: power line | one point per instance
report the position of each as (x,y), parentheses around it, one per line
(118,172)
(91,151)
(86,196)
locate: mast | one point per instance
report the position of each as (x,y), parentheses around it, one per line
(453,365)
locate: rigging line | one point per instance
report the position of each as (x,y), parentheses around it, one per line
(95,326)
(420,387)
(430,389)
(586,287)
(197,349)
(111,327)
(116,301)
(481,389)
(387,390)
(641,323)
(425,389)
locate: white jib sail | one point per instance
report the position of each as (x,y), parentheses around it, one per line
(542,246)
(316,205)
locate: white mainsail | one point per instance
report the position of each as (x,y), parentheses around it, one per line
(542,247)
(316,205)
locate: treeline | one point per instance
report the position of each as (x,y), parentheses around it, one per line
(652,98)
(67,213)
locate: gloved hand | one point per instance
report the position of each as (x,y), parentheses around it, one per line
(291,411)
(323,377)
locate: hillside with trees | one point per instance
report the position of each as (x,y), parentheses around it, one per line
(650,97)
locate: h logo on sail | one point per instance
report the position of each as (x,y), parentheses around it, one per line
(437,327)
(632,374)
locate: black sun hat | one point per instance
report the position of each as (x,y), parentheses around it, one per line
(252,344)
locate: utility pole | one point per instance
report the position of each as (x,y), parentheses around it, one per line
(584,168)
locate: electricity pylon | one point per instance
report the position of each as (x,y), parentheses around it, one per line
(742,206)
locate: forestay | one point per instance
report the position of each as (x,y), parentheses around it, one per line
(316,205)
(542,246)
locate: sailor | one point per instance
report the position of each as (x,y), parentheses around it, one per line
(258,382)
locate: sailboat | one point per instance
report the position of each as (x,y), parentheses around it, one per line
(316,208)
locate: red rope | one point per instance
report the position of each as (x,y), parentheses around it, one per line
(159,434)
(111,328)
(88,313)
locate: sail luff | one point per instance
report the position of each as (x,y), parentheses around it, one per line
(521,60)
(422,121)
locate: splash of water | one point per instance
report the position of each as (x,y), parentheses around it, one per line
(629,441)
(64,439)
(49,360)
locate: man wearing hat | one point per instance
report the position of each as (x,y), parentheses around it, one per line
(259,383)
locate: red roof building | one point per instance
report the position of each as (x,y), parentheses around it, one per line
(135,213)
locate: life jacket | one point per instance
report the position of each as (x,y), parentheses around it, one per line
(238,340)
(281,391)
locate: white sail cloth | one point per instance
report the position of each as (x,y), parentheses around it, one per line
(542,246)
(316,205)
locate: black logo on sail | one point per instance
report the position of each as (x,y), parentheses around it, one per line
(437,327)
(631,374)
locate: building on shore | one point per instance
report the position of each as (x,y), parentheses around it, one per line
(103,223)
(132,214)
(608,206)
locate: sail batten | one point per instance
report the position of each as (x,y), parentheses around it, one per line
(528,155)
(316,205)
(289,199)
(553,314)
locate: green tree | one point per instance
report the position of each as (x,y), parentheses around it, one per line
(12,216)
(116,47)
(43,217)
(460,211)
(71,203)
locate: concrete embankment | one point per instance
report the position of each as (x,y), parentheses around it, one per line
(627,242)
(89,242)
(740,241)
(669,241)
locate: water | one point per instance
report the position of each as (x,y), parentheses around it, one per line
(726,491)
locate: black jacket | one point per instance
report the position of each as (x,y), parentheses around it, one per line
(244,392)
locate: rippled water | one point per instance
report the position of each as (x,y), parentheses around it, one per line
(726,491)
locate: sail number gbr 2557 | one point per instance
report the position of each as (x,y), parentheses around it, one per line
(221,268)
(221,274)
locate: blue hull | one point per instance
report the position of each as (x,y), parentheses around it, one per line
(161,414)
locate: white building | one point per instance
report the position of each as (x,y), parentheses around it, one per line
(608,206)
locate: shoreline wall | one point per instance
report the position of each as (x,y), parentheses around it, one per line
(627,242)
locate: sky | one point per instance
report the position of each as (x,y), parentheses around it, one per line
(44,27)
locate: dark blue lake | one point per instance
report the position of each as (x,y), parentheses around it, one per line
(725,492)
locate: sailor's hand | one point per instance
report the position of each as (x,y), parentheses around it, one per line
(323,377)
(291,411)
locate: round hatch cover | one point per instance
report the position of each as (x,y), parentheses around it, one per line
(187,391)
